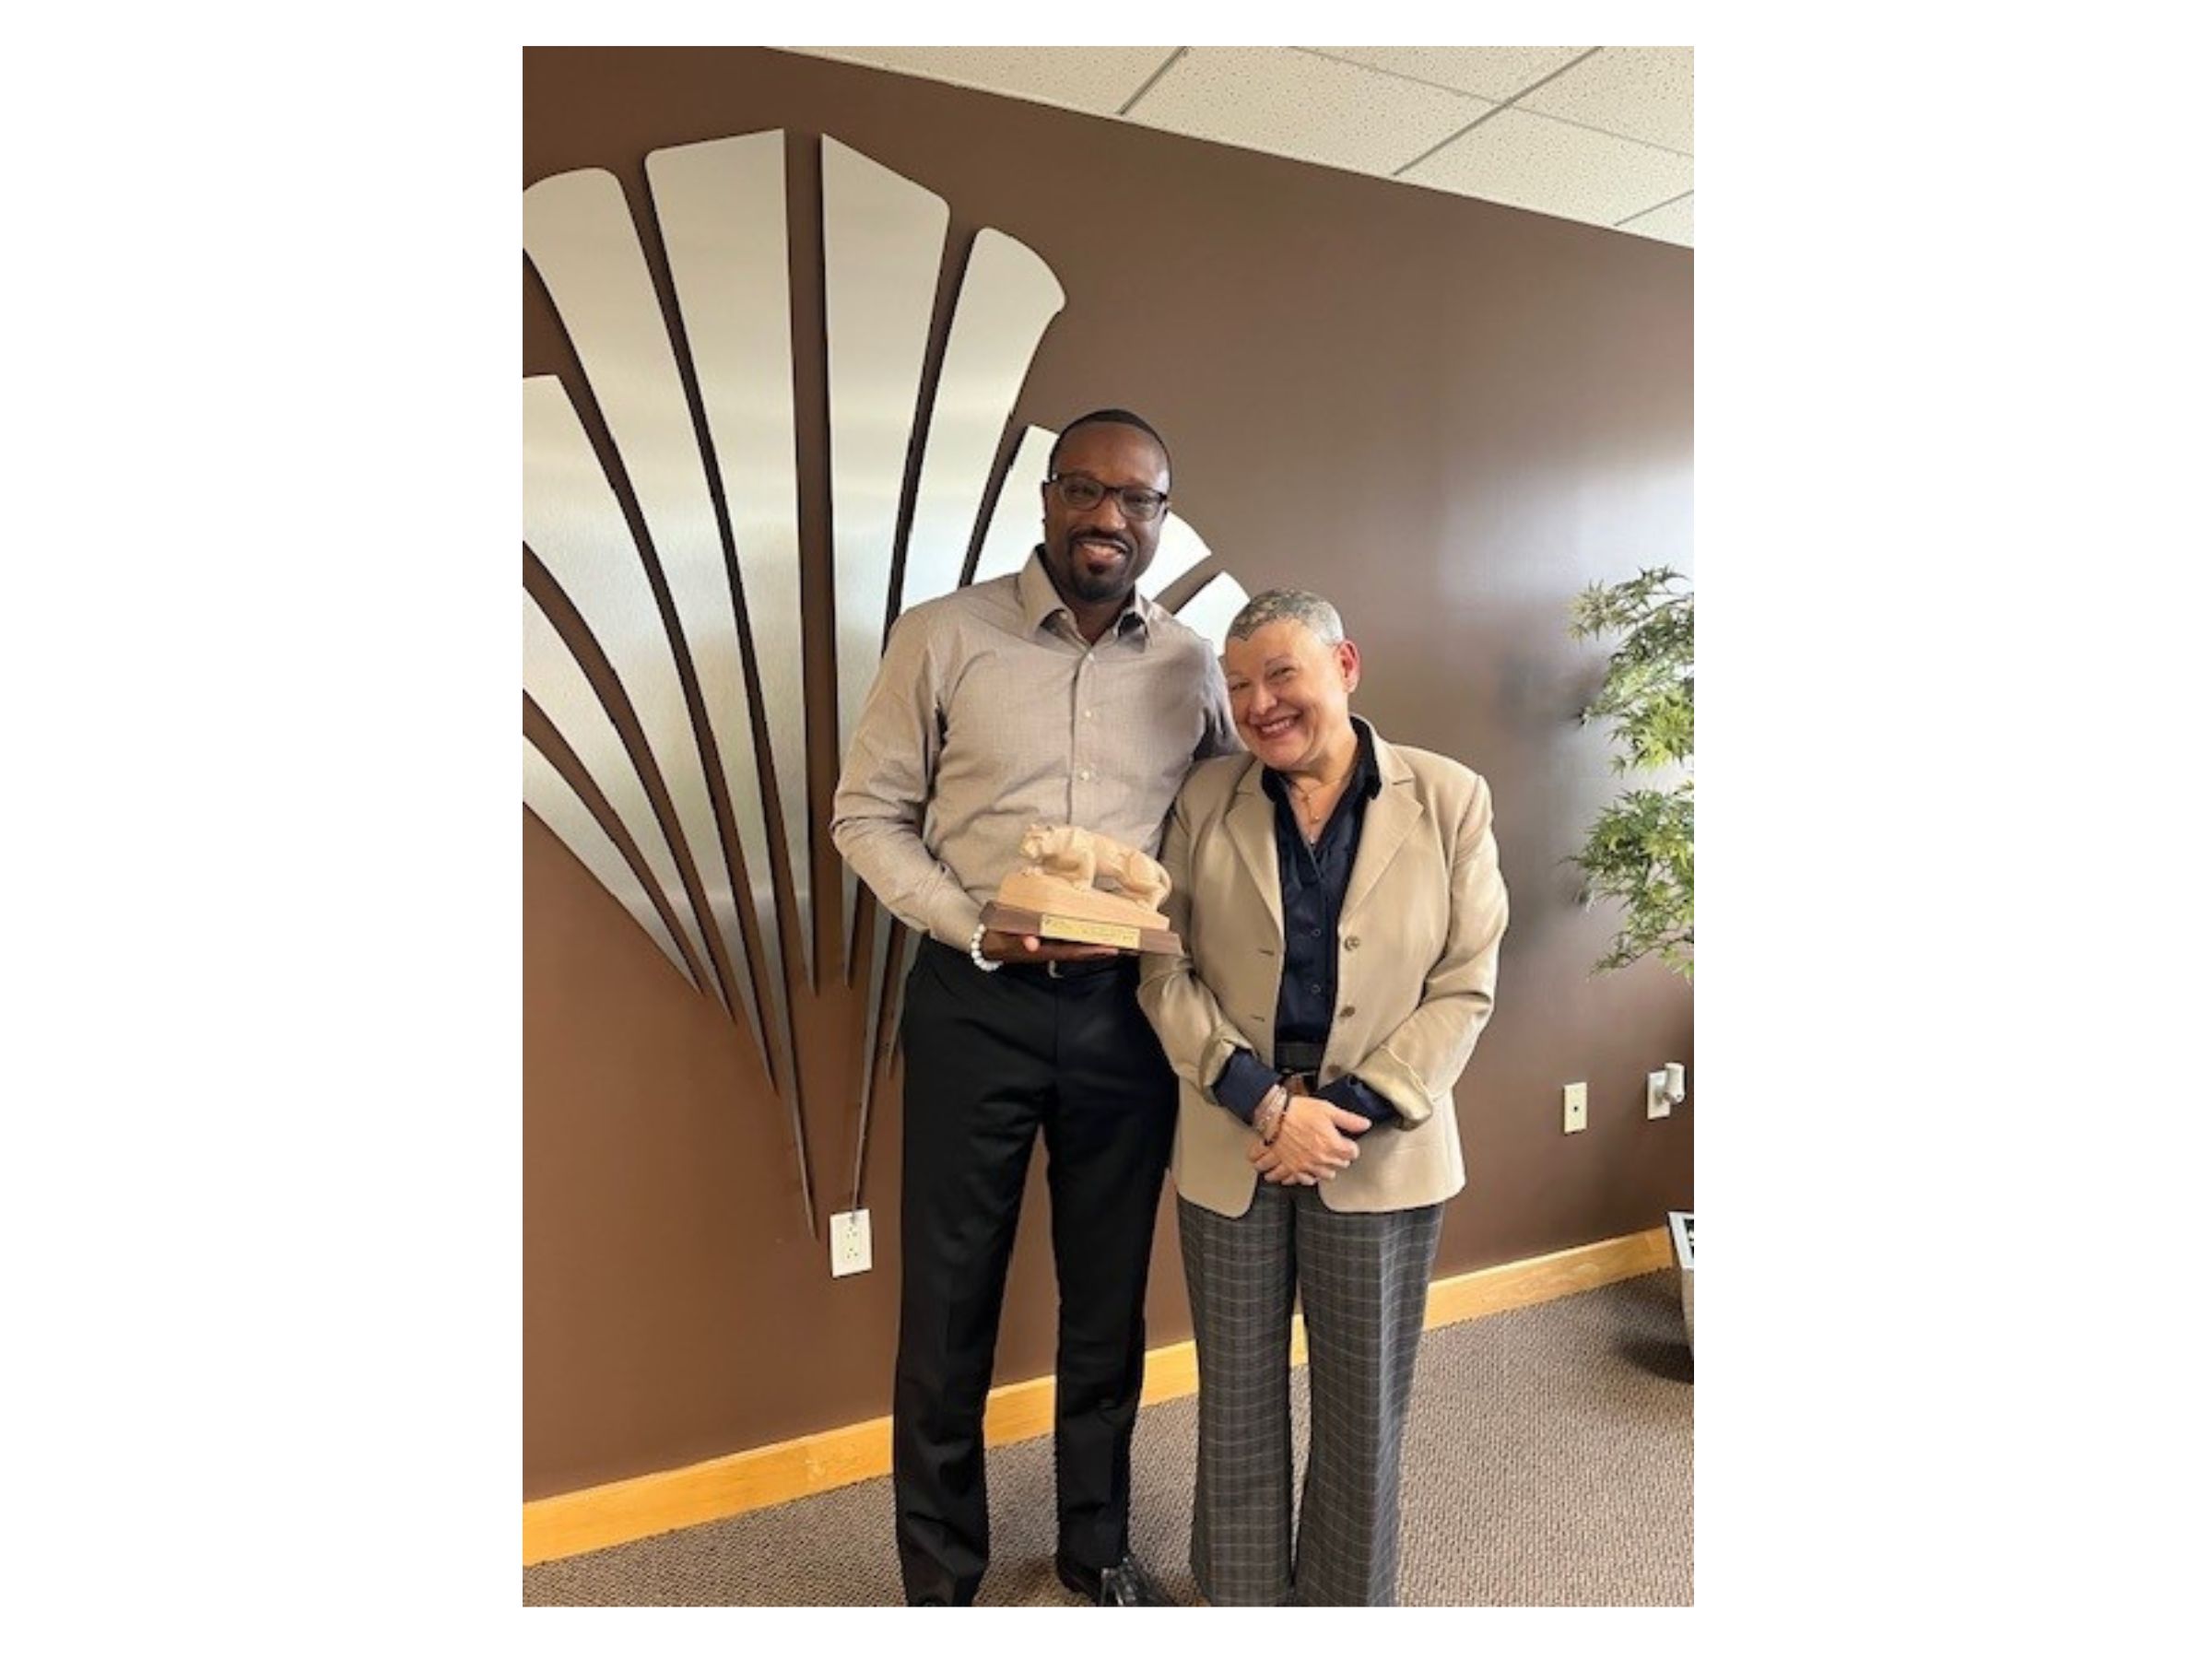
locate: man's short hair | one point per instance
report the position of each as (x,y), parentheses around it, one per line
(1288,605)
(1109,417)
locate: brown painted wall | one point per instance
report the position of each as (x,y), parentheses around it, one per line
(1445,415)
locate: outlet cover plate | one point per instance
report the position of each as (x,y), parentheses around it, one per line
(848,1248)
(1575,1101)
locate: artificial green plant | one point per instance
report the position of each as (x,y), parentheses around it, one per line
(1641,851)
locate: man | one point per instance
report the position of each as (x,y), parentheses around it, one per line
(1054,696)
(1340,899)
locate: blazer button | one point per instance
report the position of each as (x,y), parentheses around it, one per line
(1352,943)
(1347,1011)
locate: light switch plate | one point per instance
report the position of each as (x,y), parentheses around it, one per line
(1577,1104)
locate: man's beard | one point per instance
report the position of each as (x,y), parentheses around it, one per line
(1094,589)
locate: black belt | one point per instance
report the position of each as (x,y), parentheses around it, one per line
(1090,968)
(1301,1058)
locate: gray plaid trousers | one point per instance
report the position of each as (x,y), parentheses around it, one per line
(1363,1283)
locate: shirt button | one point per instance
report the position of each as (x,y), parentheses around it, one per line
(1084,775)
(1315,988)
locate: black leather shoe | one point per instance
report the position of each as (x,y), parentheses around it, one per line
(1124,1584)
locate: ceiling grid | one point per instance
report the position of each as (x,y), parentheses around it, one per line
(1601,135)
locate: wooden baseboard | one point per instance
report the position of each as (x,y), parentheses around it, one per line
(598,1516)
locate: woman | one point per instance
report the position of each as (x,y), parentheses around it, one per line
(1340,900)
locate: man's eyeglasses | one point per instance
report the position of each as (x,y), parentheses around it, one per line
(1081,493)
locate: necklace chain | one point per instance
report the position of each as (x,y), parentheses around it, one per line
(1305,793)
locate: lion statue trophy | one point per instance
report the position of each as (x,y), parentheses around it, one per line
(1052,895)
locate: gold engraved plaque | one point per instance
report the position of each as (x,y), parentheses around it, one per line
(1078,930)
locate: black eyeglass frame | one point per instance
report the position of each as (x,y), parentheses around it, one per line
(1120,492)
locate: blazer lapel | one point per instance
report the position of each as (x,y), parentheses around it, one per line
(1391,817)
(1251,826)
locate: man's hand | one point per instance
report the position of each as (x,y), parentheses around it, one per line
(1313,1144)
(996,946)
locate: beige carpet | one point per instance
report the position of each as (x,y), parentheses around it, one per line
(1548,1464)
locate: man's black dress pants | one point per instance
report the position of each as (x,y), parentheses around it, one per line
(991,1059)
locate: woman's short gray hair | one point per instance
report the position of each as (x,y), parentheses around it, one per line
(1288,605)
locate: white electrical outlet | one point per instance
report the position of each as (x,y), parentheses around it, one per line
(1577,1102)
(1677,1084)
(1657,1102)
(849,1243)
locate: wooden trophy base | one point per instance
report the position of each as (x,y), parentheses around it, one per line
(1080,930)
(1048,908)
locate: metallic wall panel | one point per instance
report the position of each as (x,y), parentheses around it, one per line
(1213,607)
(555,683)
(562,810)
(886,1008)
(872,1037)
(1018,519)
(577,230)
(721,214)
(724,221)
(883,238)
(575,525)
(1008,297)
(1181,550)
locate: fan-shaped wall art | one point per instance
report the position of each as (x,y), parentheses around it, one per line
(673,467)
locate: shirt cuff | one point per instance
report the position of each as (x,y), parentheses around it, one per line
(1351,1095)
(954,918)
(1242,1083)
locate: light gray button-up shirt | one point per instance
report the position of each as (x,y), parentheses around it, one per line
(990,714)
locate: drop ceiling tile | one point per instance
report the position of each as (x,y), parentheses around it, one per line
(1670,223)
(1314,109)
(1493,72)
(1551,167)
(1634,91)
(1096,79)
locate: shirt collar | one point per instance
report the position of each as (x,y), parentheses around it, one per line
(1367,775)
(1040,601)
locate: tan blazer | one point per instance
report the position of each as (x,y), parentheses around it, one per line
(1416,967)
